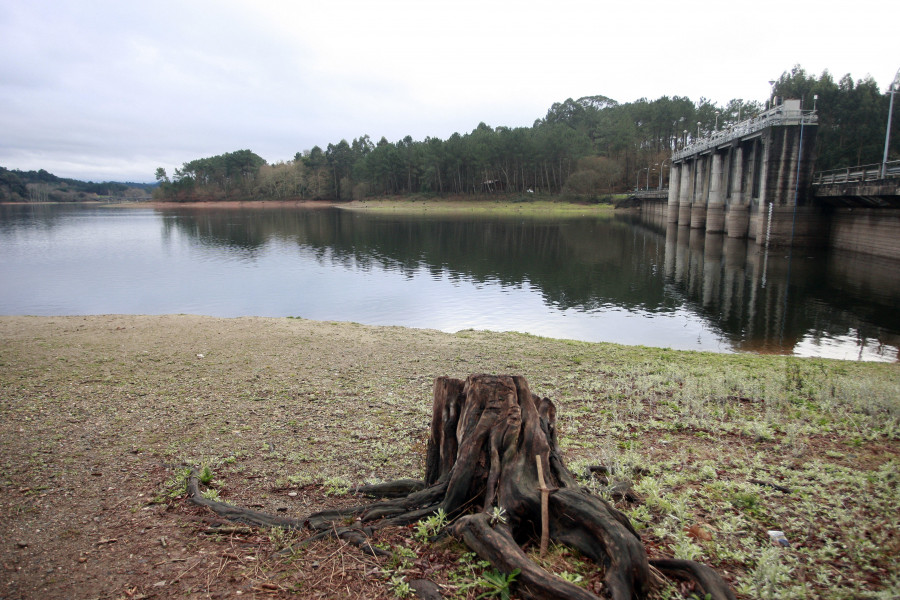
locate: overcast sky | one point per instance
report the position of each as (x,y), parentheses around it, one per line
(110,90)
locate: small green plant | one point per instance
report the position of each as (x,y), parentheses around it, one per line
(767,580)
(707,472)
(430,526)
(400,587)
(175,486)
(685,549)
(283,541)
(467,575)
(746,501)
(497,584)
(498,515)
(401,557)
(572,577)
(206,475)
(336,486)
(470,560)
(211,494)
(301,479)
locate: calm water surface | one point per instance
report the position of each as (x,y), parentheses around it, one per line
(593,279)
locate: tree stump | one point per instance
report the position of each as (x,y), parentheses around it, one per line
(493,451)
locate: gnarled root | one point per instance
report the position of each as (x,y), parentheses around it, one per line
(497,546)
(237,514)
(707,580)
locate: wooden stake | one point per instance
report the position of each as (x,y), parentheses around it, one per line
(545,506)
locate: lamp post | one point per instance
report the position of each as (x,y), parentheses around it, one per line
(675,126)
(661,165)
(717,120)
(637,182)
(647,187)
(698,130)
(887,135)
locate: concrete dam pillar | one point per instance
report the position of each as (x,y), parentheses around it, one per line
(698,205)
(715,210)
(738,218)
(674,183)
(685,192)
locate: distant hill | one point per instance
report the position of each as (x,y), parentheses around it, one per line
(42,186)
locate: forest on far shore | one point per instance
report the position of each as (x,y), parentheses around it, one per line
(42,186)
(582,149)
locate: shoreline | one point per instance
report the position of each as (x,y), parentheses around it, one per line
(396,204)
(231,204)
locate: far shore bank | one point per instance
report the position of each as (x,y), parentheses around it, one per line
(554,205)
(235,204)
(453,204)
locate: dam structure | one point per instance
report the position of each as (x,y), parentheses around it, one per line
(751,180)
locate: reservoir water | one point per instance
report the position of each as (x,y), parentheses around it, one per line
(586,278)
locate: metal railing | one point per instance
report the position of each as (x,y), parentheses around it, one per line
(779,115)
(859,174)
(650,192)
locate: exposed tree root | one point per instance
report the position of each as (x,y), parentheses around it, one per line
(488,436)
(706,579)
(234,513)
(425,589)
(356,536)
(497,546)
(774,486)
(391,489)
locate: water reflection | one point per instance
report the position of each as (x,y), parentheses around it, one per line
(595,279)
(808,303)
(802,302)
(575,263)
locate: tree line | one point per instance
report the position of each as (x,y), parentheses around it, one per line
(43,186)
(585,149)
(852,116)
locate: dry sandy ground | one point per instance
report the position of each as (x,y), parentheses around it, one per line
(97,413)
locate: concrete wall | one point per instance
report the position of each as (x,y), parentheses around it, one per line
(655,209)
(803,226)
(867,230)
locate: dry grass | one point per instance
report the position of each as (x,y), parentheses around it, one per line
(98,412)
(501,205)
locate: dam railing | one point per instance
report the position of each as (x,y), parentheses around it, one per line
(784,114)
(857,174)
